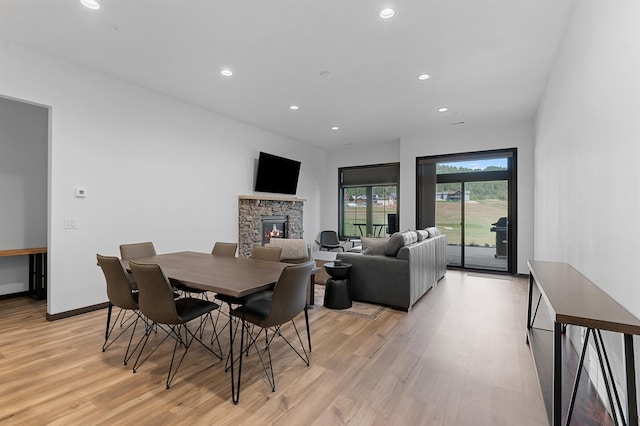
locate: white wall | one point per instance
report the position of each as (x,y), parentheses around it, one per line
(587,150)
(23,188)
(154,169)
(468,138)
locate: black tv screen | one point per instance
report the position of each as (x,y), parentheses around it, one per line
(277,174)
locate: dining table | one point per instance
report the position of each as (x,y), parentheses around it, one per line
(377,228)
(231,276)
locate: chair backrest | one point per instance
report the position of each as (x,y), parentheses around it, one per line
(155,294)
(329,238)
(289,294)
(271,254)
(224,249)
(131,251)
(392,223)
(118,286)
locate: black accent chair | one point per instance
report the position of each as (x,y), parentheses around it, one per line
(330,241)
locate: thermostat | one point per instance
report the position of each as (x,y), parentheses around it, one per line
(80,192)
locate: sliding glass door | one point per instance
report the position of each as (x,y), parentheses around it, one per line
(474,206)
(476,228)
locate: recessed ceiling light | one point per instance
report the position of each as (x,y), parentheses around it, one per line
(91,4)
(443,109)
(226,72)
(335,128)
(387,13)
(293,107)
(423,77)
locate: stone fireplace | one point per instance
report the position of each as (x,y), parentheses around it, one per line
(258,215)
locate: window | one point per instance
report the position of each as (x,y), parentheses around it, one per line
(368,200)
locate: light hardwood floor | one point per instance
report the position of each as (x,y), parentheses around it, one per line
(458,358)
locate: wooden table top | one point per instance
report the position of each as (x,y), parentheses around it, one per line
(232,276)
(23,251)
(574,299)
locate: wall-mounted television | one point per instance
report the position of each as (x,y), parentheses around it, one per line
(277,174)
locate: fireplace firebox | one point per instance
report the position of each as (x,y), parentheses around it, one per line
(273,227)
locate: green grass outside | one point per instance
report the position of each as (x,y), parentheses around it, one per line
(479,217)
(359,215)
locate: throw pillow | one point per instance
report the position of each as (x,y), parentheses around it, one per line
(373,246)
(399,240)
(433,231)
(422,234)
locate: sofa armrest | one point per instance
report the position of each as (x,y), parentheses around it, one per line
(379,279)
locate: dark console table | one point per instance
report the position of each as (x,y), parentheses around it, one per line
(571,298)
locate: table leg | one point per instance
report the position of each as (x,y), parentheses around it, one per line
(40,285)
(235,391)
(630,368)
(32,275)
(530,302)
(556,403)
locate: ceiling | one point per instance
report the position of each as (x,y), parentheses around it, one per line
(337,60)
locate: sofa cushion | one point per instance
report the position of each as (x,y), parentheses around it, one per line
(292,248)
(399,240)
(373,246)
(433,231)
(422,234)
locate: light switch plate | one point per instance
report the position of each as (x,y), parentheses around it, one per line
(70,223)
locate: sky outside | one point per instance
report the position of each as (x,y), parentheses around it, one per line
(478,164)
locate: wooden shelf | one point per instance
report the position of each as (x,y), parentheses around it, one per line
(269,198)
(23,251)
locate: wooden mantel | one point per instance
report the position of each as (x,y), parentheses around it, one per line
(269,198)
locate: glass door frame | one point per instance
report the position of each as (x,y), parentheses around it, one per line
(425,194)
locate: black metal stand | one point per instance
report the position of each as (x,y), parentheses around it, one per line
(38,275)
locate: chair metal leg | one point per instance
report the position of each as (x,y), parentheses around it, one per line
(127,322)
(106,331)
(306,319)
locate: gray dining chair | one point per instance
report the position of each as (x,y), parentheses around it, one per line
(272,254)
(157,303)
(121,295)
(271,310)
(224,249)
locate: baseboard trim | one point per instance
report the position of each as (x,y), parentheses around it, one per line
(13,295)
(74,312)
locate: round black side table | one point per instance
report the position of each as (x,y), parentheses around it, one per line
(337,293)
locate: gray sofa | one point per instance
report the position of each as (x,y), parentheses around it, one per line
(397,271)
